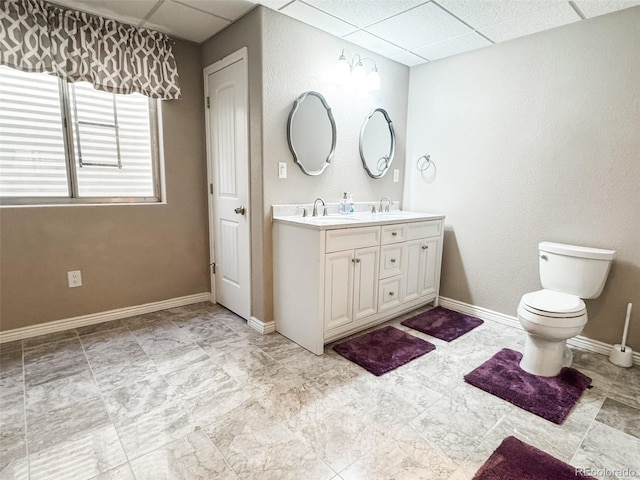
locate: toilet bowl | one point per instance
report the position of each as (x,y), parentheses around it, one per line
(551,316)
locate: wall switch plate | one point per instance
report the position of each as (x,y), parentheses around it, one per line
(282,169)
(396,175)
(75,278)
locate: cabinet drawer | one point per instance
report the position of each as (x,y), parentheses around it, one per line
(389,293)
(391,260)
(352,238)
(393,234)
(423,229)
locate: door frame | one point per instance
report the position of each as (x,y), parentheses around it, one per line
(237,56)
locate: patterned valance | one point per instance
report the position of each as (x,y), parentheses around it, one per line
(36,36)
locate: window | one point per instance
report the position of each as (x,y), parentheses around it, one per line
(66,142)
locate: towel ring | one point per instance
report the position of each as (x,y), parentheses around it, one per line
(423,164)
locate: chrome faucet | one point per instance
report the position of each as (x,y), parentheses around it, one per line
(386,209)
(315,207)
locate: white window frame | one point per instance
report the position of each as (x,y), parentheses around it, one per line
(73,197)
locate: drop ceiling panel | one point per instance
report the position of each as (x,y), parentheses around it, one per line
(408,58)
(420,26)
(482,13)
(364,12)
(373,43)
(128,12)
(561,14)
(185,22)
(463,43)
(593,8)
(228,9)
(318,19)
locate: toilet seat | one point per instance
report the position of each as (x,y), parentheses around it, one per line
(548,303)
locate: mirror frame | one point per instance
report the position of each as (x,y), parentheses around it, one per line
(392,150)
(295,108)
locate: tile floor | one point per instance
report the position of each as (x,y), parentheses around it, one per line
(193,392)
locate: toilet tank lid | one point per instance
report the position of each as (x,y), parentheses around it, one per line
(576,251)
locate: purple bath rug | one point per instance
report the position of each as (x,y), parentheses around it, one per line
(441,323)
(383,350)
(548,397)
(514,459)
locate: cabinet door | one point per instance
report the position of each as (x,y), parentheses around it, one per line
(365,282)
(429,253)
(338,289)
(413,273)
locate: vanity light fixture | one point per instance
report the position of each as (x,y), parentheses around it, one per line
(354,73)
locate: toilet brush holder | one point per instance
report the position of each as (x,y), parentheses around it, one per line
(622,355)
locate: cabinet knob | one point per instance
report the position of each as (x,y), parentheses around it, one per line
(393,260)
(425,247)
(391,294)
(355,260)
(394,234)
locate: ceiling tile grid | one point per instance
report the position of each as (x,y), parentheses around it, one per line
(407,31)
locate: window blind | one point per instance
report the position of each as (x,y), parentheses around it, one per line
(32,154)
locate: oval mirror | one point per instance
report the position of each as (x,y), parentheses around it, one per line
(377,143)
(311,133)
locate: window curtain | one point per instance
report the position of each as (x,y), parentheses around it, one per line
(36,36)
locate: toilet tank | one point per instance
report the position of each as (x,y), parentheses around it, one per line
(572,269)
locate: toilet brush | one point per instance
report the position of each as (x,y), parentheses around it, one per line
(622,355)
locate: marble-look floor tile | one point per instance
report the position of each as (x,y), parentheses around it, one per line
(123,472)
(193,456)
(607,449)
(84,455)
(154,429)
(213,405)
(48,428)
(54,361)
(602,372)
(198,377)
(13,437)
(620,416)
(100,327)
(260,447)
(64,392)
(134,400)
(626,387)
(179,358)
(160,336)
(406,456)
(49,338)
(15,469)
(9,347)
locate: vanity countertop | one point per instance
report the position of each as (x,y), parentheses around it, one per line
(358,219)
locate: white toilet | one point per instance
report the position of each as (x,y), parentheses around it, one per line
(568,273)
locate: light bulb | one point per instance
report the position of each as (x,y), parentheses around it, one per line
(373,79)
(342,70)
(359,76)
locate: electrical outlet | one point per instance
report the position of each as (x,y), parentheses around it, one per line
(396,175)
(75,278)
(282,169)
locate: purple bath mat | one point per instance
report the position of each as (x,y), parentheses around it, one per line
(441,323)
(514,459)
(548,397)
(383,350)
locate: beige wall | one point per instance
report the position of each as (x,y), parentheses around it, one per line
(535,139)
(128,255)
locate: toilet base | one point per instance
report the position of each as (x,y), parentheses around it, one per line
(543,357)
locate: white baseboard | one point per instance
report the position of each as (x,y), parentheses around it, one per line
(580,341)
(93,318)
(262,327)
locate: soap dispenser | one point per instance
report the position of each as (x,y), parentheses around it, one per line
(351,204)
(344,204)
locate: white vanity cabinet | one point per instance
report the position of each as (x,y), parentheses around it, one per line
(331,281)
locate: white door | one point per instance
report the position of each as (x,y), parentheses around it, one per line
(227,138)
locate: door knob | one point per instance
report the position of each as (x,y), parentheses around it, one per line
(240,210)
